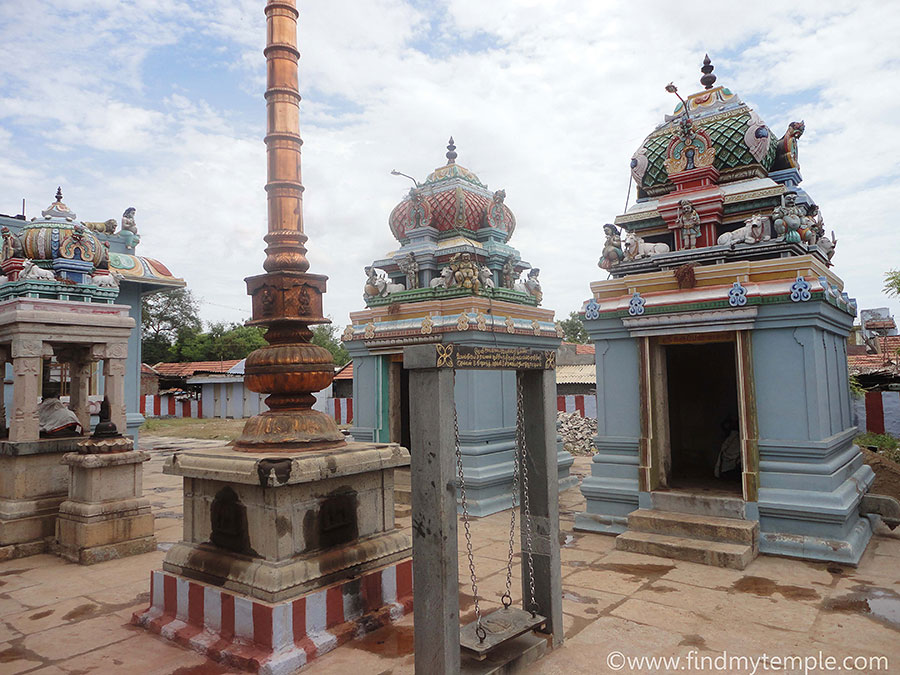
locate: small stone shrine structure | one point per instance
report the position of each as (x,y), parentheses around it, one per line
(724,419)
(454,279)
(56,301)
(106,515)
(289,547)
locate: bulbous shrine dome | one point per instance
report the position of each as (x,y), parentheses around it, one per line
(453,201)
(715,119)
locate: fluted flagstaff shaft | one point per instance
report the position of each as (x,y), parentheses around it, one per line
(283,178)
(287,298)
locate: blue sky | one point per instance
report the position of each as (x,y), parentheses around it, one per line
(157,104)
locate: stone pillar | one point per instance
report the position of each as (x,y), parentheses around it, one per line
(26,357)
(114,379)
(79,387)
(4,428)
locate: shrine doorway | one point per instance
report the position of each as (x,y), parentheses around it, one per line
(703,417)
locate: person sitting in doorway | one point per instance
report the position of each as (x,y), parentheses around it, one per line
(728,463)
(55,419)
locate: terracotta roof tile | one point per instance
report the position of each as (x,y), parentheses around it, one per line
(345,373)
(193,367)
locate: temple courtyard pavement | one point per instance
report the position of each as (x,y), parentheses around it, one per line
(57,617)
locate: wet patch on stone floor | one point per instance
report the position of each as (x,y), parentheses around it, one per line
(766,588)
(637,571)
(389,642)
(693,640)
(879,604)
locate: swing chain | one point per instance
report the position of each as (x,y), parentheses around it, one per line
(527,524)
(479,629)
(506,598)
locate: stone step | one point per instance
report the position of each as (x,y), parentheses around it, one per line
(709,528)
(714,553)
(698,504)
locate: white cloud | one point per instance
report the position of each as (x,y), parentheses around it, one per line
(549,103)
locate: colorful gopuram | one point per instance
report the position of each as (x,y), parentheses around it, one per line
(724,419)
(454,279)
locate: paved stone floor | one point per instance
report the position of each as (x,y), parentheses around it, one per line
(57,617)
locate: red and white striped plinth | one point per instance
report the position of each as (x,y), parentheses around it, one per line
(274,638)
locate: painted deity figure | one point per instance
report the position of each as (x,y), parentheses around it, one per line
(612,248)
(465,272)
(410,268)
(689,221)
(509,275)
(495,210)
(418,214)
(12,244)
(788,219)
(129,231)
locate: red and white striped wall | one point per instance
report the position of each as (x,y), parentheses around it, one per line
(878,412)
(274,638)
(341,409)
(166,406)
(585,404)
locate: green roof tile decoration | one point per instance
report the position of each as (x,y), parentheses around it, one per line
(727,134)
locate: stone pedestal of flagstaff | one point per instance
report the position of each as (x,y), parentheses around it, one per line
(292,554)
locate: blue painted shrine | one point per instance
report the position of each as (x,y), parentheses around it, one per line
(454,279)
(721,341)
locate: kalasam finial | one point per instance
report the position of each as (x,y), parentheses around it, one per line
(451,152)
(708,78)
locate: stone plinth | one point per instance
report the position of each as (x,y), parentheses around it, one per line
(276,527)
(32,485)
(105,516)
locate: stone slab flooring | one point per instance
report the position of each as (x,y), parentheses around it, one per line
(57,617)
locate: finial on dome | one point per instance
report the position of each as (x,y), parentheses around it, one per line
(59,193)
(451,152)
(708,78)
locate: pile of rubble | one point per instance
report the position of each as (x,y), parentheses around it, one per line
(577,432)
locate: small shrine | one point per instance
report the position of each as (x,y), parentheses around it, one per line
(724,418)
(58,312)
(454,279)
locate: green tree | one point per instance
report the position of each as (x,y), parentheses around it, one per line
(220,342)
(573,329)
(327,335)
(165,318)
(892,282)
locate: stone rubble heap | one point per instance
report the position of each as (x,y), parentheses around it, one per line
(577,432)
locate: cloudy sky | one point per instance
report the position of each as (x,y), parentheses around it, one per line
(157,104)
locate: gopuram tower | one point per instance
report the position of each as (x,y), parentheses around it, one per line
(454,279)
(289,545)
(723,396)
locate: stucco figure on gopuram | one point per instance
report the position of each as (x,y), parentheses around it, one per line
(472,288)
(723,399)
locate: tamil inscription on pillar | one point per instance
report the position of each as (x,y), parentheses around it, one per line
(495,358)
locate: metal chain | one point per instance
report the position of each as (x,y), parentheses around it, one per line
(506,599)
(479,629)
(527,523)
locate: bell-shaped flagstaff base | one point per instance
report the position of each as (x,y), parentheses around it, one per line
(290,431)
(289,373)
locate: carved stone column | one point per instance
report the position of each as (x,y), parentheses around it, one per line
(26,358)
(4,358)
(114,389)
(79,383)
